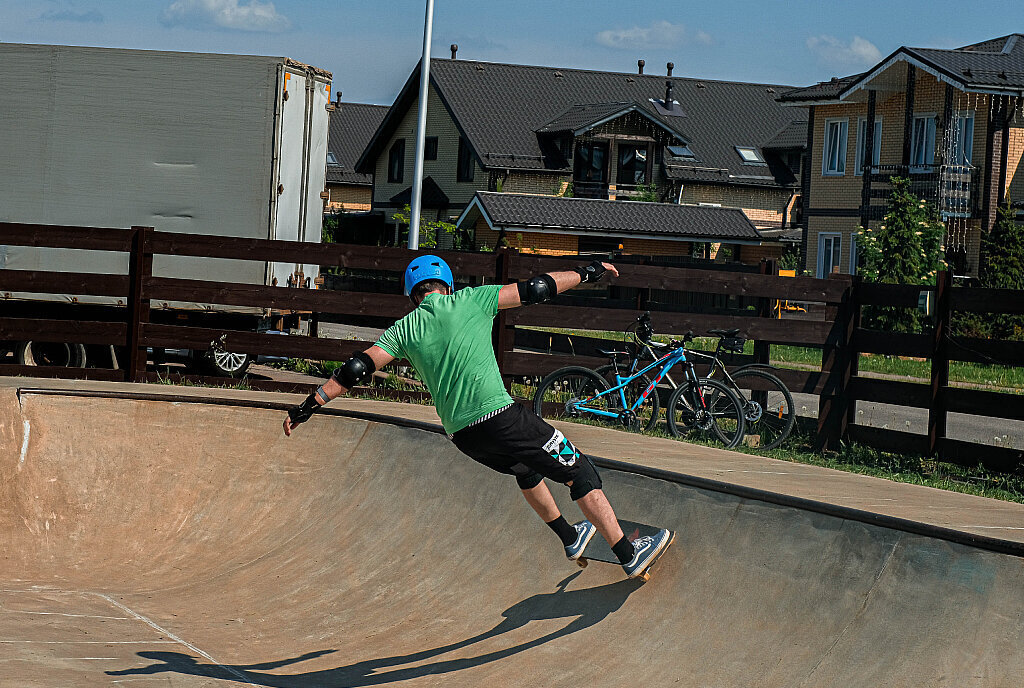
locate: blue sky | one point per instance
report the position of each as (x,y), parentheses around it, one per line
(372,46)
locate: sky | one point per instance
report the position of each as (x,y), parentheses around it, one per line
(371,47)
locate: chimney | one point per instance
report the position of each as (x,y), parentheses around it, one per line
(339,99)
(455,50)
(640,66)
(670,66)
(668,94)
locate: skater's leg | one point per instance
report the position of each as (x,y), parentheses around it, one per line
(543,503)
(598,511)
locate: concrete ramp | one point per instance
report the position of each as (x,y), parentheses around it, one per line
(148,543)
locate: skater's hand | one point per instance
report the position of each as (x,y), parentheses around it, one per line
(611,269)
(288,426)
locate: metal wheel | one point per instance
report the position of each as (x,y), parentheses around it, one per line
(768,407)
(557,393)
(646,417)
(226,363)
(706,408)
(58,354)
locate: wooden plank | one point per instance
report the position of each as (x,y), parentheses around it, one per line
(990,351)
(891,343)
(895,392)
(695,280)
(988,300)
(77,283)
(344,255)
(526,365)
(77,331)
(9,370)
(200,338)
(803,332)
(898,295)
(940,362)
(801,381)
(979,402)
(889,440)
(60,236)
(278,298)
(999,459)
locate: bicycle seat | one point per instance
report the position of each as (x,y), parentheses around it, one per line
(657,345)
(612,354)
(724,333)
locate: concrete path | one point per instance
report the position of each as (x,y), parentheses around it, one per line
(188,543)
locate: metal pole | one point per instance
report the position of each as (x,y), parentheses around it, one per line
(421,130)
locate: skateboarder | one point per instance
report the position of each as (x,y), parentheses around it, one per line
(447,338)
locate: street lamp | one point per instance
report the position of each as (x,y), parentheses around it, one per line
(421,130)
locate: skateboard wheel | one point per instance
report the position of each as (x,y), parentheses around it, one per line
(582,562)
(646,576)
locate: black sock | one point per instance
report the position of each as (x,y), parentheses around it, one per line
(623,550)
(565,532)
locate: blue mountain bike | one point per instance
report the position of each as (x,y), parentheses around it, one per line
(697,407)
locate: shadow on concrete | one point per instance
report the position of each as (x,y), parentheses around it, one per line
(585,607)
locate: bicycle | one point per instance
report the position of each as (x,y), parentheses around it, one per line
(768,406)
(699,405)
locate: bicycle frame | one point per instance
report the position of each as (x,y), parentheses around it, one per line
(664,364)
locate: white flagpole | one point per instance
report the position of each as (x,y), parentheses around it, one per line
(421,130)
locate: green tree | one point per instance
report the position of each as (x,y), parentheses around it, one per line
(432,230)
(1002,267)
(647,193)
(905,249)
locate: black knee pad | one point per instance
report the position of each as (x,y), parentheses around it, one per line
(528,481)
(585,480)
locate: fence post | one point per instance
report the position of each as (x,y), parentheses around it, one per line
(940,362)
(140,267)
(503,334)
(833,402)
(762,350)
(854,354)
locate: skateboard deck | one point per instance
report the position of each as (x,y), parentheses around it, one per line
(598,549)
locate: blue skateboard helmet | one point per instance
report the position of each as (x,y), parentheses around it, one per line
(426,268)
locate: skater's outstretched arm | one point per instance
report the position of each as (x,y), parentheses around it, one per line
(353,371)
(543,288)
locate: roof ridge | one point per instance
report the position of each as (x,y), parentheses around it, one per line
(594,200)
(694,79)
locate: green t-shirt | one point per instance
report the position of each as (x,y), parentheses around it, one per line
(448,341)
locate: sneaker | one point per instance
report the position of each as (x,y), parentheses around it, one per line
(645,550)
(584,533)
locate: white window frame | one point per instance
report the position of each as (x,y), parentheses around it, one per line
(876,144)
(844,134)
(959,123)
(822,236)
(929,152)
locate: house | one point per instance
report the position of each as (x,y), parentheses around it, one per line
(495,127)
(950,120)
(351,127)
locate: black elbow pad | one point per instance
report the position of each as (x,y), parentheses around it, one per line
(537,289)
(354,370)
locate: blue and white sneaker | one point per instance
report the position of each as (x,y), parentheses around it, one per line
(584,533)
(645,551)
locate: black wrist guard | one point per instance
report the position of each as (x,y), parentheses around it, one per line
(592,272)
(302,412)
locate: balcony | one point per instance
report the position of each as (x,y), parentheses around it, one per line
(952,189)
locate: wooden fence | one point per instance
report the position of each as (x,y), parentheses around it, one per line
(523,351)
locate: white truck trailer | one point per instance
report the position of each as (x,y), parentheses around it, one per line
(227,145)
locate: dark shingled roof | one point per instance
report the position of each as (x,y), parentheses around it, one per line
(504,111)
(994,64)
(793,135)
(350,130)
(585,215)
(432,196)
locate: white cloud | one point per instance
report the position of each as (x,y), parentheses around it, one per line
(226,14)
(858,52)
(660,34)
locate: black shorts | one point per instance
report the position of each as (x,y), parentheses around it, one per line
(518,442)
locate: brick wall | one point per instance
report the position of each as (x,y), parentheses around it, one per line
(1015,162)
(752,255)
(535,183)
(349,198)
(764,207)
(655,247)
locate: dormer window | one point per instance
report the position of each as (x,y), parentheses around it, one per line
(331,160)
(750,155)
(682,151)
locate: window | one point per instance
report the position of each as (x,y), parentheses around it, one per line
(792,160)
(430,149)
(750,155)
(590,162)
(465,171)
(862,142)
(682,151)
(963,140)
(834,153)
(710,205)
(829,247)
(632,164)
(331,160)
(922,143)
(396,162)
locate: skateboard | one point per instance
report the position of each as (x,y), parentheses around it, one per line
(598,549)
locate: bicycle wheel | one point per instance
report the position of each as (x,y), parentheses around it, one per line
(767,406)
(646,417)
(557,392)
(706,407)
